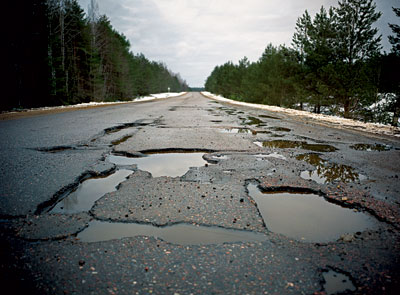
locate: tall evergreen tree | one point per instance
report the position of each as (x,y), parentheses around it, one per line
(355,43)
(395,38)
(391,70)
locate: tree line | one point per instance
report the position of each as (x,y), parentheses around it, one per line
(58,56)
(335,64)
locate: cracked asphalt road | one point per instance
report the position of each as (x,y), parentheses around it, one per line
(43,158)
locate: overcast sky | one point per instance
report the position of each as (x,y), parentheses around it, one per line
(193,36)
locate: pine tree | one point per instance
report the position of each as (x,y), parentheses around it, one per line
(356,42)
(395,39)
(393,68)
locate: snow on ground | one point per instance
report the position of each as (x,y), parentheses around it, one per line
(92,104)
(158,96)
(333,120)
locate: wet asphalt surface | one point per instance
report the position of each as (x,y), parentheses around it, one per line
(43,158)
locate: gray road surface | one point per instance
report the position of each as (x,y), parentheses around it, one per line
(44,158)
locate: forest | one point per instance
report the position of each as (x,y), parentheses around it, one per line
(57,55)
(334,65)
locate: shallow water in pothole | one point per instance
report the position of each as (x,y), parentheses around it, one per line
(331,174)
(272,155)
(307,217)
(252,121)
(370,147)
(181,234)
(337,283)
(89,191)
(327,172)
(286,144)
(162,164)
(279,129)
(238,130)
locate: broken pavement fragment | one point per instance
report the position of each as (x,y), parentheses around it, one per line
(166,200)
(52,226)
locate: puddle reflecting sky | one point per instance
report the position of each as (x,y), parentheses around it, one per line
(163,164)
(336,282)
(238,130)
(286,144)
(307,217)
(273,155)
(181,234)
(89,191)
(327,172)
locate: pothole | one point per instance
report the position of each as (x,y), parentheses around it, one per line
(124,126)
(337,283)
(239,130)
(220,157)
(162,164)
(89,191)
(56,149)
(252,121)
(327,172)
(279,129)
(307,217)
(269,117)
(260,157)
(370,147)
(181,234)
(121,140)
(286,144)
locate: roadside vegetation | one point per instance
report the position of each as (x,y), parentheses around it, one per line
(59,56)
(335,66)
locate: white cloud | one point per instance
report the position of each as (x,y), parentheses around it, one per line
(193,36)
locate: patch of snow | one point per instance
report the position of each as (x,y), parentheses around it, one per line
(384,100)
(158,96)
(91,104)
(335,120)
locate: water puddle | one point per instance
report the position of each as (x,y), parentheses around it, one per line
(220,157)
(89,191)
(286,144)
(253,121)
(337,283)
(238,130)
(273,155)
(280,129)
(327,172)
(370,147)
(307,217)
(181,234)
(162,164)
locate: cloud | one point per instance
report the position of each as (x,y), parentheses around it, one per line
(193,36)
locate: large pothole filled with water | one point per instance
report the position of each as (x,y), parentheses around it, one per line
(89,191)
(307,217)
(181,234)
(162,164)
